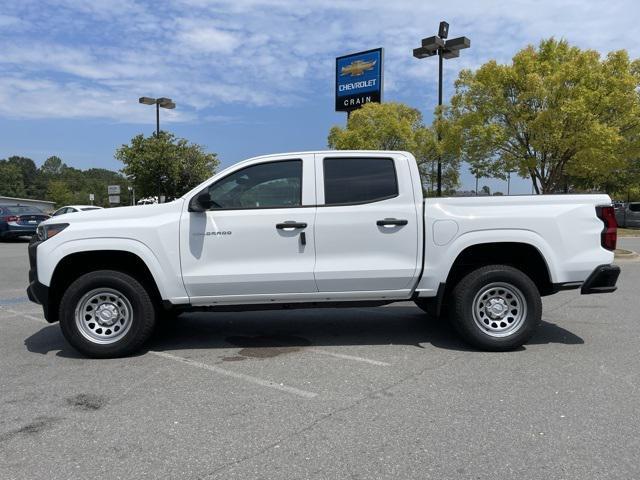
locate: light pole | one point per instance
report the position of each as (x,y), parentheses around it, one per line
(445,49)
(163,102)
(132,194)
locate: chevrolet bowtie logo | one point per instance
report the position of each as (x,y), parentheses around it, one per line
(357,68)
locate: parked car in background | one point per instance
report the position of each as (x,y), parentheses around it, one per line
(147,201)
(628,215)
(19,220)
(74,208)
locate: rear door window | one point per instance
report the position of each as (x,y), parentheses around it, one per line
(352,181)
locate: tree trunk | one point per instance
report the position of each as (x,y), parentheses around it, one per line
(535,184)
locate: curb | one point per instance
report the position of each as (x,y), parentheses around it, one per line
(621,254)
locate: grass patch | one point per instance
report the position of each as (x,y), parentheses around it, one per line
(629,232)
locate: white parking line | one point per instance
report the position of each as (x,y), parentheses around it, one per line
(348,357)
(239,376)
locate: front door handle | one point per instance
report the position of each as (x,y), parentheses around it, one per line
(391,222)
(290,225)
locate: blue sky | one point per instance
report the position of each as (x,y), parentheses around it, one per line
(249,76)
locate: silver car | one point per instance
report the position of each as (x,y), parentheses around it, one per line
(74,208)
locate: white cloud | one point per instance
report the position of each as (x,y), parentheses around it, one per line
(93,58)
(200,38)
(8,21)
(44,98)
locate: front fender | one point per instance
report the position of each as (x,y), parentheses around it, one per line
(169,282)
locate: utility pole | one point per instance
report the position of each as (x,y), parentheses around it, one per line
(440,118)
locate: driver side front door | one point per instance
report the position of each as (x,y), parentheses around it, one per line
(257,239)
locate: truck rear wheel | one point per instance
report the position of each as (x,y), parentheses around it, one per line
(106,314)
(496,308)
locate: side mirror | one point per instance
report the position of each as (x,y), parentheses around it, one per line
(201,202)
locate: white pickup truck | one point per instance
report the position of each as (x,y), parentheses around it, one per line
(320,229)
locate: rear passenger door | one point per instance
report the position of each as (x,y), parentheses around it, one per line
(366,228)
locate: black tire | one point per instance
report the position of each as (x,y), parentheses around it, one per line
(140,321)
(501,330)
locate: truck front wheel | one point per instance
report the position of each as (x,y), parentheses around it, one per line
(496,308)
(106,314)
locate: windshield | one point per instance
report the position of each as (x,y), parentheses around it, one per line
(90,208)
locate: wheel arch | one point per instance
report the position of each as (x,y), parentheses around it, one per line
(521,255)
(73,265)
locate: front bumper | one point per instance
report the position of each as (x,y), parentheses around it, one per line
(36,291)
(602,280)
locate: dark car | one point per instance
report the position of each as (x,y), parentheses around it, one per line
(629,215)
(19,220)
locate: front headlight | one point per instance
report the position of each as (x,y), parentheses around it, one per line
(45,232)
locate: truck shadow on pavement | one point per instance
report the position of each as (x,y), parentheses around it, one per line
(265,334)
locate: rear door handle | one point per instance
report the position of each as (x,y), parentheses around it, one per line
(391,222)
(290,225)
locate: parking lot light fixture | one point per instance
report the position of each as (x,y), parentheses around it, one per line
(163,102)
(147,100)
(445,49)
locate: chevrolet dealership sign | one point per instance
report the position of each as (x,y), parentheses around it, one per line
(358,79)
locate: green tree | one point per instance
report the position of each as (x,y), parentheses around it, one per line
(28,172)
(11,183)
(165,164)
(556,114)
(396,126)
(53,166)
(96,180)
(429,149)
(59,192)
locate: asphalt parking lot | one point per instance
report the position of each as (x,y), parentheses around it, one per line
(366,393)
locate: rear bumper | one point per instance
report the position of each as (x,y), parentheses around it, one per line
(602,280)
(36,291)
(18,230)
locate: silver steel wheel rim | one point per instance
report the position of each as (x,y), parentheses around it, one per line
(103,315)
(499,309)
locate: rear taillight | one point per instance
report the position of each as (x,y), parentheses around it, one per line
(10,218)
(609,235)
